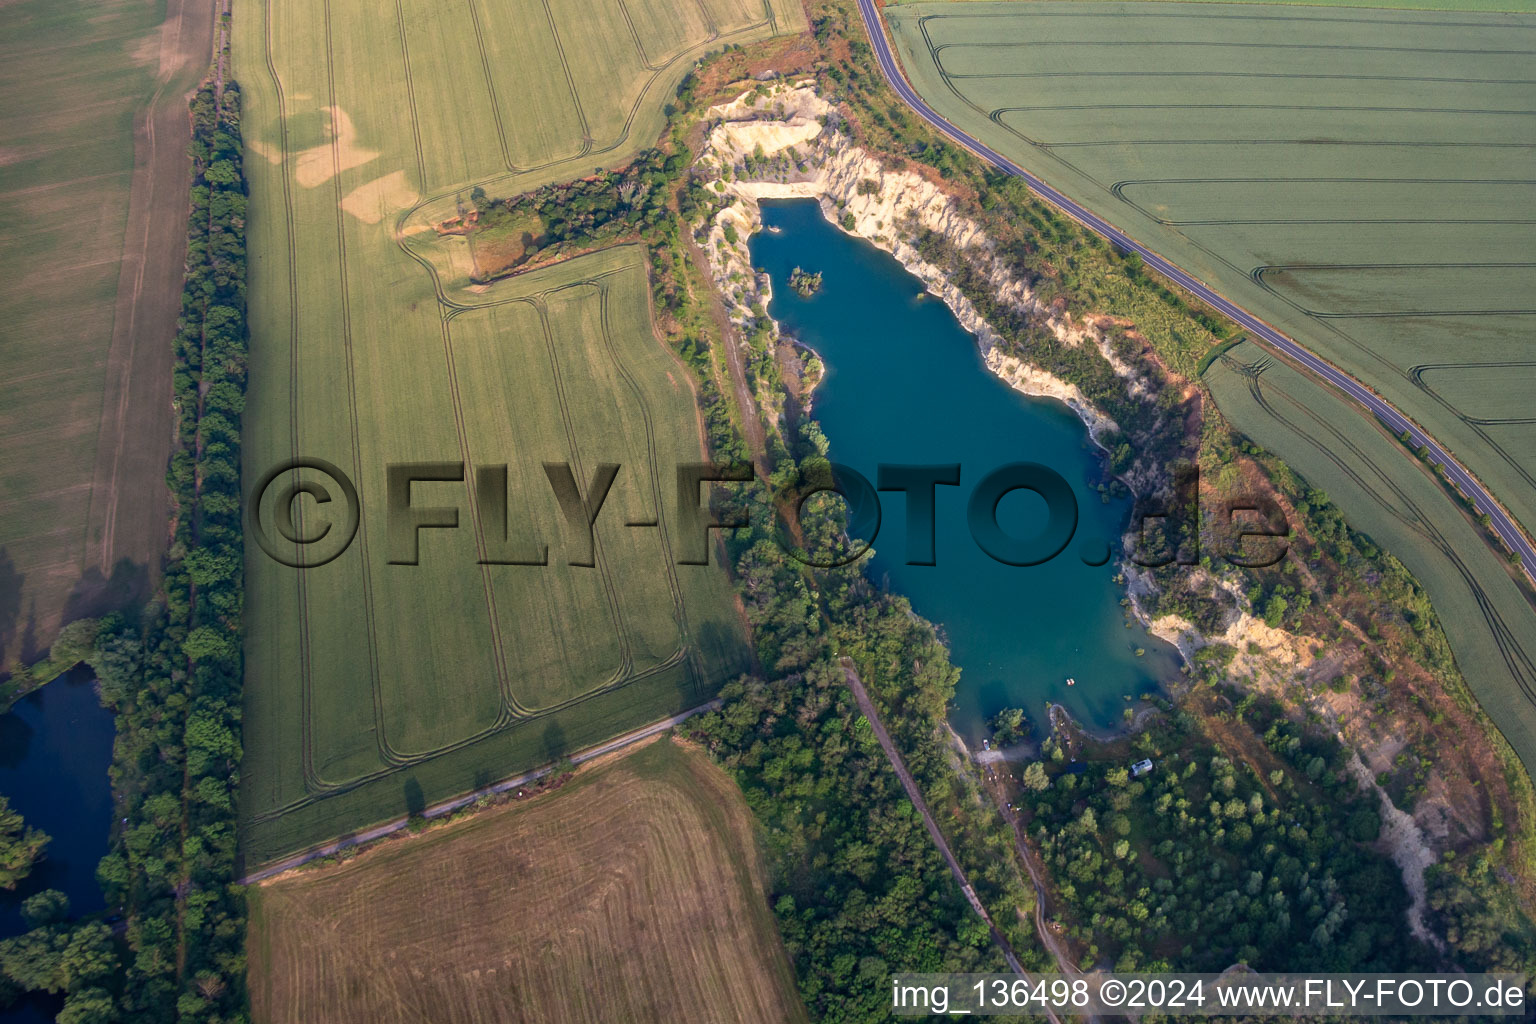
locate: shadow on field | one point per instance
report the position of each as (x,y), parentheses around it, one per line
(415,799)
(555,743)
(10,605)
(94,594)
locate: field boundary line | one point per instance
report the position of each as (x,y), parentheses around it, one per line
(679,605)
(634,35)
(381,738)
(452,804)
(579,467)
(505,713)
(1505,526)
(570,81)
(1516,659)
(490,84)
(410,92)
(308,774)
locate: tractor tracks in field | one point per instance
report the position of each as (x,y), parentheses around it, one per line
(135,401)
(511,711)
(1395,501)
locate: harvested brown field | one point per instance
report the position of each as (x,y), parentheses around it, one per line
(633,892)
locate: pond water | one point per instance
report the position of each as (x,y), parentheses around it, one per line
(55,747)
(905,383)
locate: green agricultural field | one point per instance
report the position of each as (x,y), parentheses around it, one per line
(1361,179)
(1491,626)
(90,280)
(370,685)
(373,687)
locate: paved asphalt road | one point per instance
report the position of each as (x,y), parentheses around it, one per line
(1258,329)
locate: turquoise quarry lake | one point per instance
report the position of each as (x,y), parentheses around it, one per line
(905,383)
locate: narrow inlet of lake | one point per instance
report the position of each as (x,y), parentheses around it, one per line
(55,748)
(905,383)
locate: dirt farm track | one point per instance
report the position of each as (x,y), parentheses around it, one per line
(94,138)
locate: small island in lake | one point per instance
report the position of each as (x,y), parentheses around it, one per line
(804,282)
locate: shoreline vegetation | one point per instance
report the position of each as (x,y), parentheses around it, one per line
(857,888)
(172,675)
(805,283)
(21,847)
(1388,631)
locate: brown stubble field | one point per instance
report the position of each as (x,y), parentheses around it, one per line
(633,892)
(93,200)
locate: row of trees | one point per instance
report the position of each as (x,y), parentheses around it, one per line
(176,680)
(172,676)
(576,215)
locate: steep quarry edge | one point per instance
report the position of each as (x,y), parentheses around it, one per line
(783,142)
(887,209)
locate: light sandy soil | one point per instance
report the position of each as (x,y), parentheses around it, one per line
(317,165)
(379,198)
(1403,841)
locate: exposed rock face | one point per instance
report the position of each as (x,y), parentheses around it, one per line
(792,130)
(785,145)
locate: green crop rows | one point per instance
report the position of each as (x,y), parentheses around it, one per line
(1492,628)
(1363,180)
(372,687)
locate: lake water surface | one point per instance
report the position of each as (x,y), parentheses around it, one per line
(905,383)
(55,747)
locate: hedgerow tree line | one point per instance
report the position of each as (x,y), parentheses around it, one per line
(172,676)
